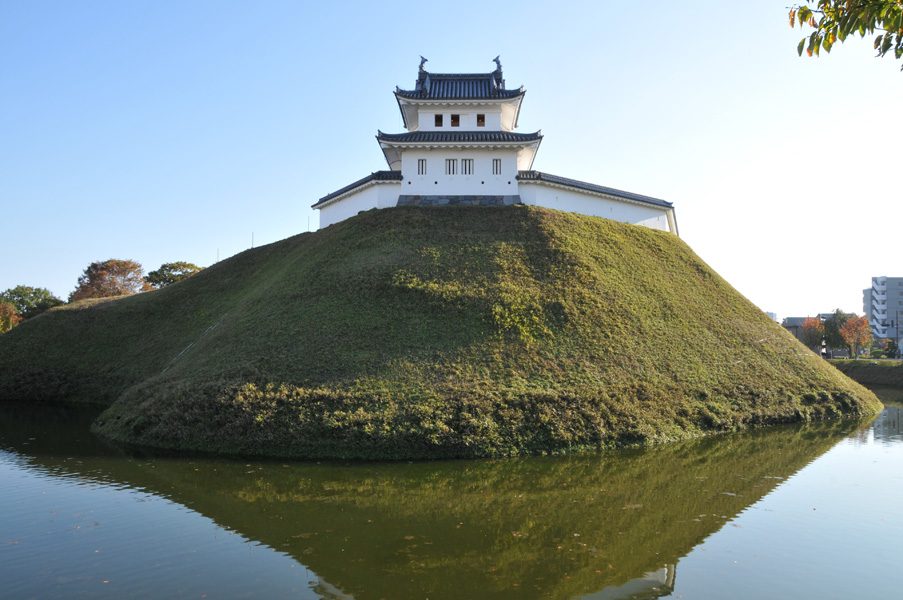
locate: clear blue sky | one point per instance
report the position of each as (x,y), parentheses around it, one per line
(163,131)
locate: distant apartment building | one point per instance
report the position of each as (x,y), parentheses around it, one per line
(883,305)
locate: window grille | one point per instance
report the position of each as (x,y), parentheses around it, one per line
(451,166)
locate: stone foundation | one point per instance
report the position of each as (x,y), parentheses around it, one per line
(404,200)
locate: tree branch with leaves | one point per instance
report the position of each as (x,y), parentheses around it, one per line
(835,20)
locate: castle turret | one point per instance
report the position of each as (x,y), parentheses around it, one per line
(460,148)
(460,139)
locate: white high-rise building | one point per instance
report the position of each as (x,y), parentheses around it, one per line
(883,305)
(460,148)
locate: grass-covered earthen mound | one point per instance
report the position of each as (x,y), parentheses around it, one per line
(427,333)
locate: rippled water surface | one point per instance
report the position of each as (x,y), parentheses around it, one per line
(792,512)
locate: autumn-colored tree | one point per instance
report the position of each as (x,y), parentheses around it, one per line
(834,20)
(30,301)
(110,278)
(813,332)
(9,318)
(170,273)
(856,332)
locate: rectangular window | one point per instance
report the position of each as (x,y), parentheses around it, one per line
(481,120)
(456,120)
(438,120)
(451,166)
(421,166)
(467,166)
(496,166)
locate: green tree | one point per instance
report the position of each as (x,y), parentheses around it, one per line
(110,278)
(835,20)
(170,273)
(9,318)
(833,338)
(30,301)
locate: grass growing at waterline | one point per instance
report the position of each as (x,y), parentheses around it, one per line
(428,333)
(884,373)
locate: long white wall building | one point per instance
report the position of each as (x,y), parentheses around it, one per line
(460,148)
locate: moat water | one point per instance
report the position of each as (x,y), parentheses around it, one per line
(811,511)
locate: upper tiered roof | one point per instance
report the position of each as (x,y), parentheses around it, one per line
(439,88)
(459,86)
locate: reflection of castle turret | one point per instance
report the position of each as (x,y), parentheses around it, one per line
(657,584)
(328,591)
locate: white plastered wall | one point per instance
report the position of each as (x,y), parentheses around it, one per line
(481,183)
(574,201)
(468,118)
(380,195)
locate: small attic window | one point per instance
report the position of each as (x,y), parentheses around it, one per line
(438,120)
(456,120)
(481,120)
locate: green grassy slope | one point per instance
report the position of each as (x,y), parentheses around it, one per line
(428,333)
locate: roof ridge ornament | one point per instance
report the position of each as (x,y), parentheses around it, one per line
(498,83)
(422,62)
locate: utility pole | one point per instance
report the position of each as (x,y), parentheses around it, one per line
(897,330)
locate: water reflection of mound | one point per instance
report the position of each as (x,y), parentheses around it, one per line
(595,526)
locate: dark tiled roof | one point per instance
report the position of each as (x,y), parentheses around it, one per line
(377,176)
(589,187)
(459,136)
(459,86)
(793,321)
